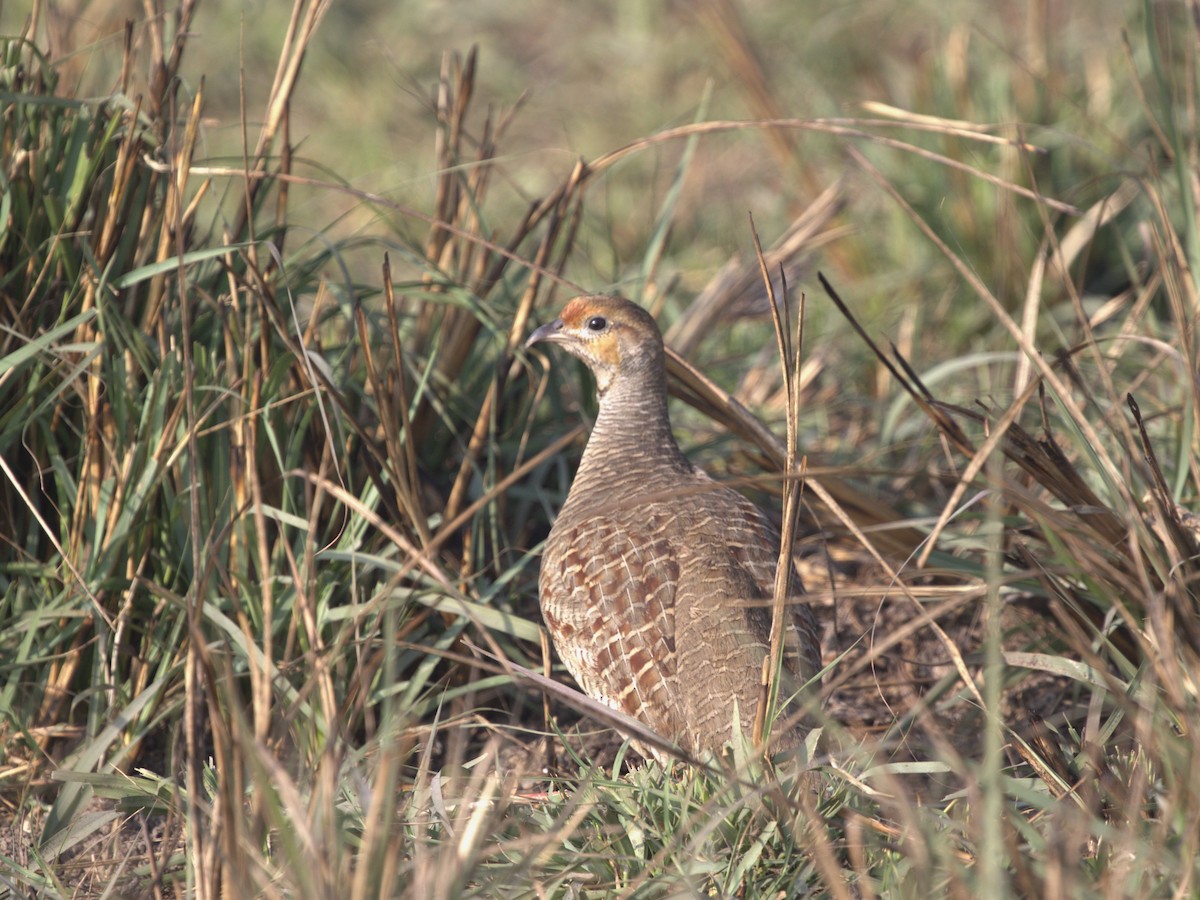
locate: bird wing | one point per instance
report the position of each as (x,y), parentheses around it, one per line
(755,547)
(723,605)
(611,613)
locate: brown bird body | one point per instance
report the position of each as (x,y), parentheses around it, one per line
(656,581)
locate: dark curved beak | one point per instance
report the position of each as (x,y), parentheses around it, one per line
(547,332)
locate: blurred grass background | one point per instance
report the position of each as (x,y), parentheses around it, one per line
(271,508)
(590,81)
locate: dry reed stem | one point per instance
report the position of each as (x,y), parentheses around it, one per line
(793,488)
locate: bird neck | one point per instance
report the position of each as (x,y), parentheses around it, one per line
(632,434)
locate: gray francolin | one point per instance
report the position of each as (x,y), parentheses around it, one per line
(656,581)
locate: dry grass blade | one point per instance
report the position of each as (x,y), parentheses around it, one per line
(737,285)
(910,384)
(1083,233)
(1043,459)
(593,709)
(834,127)
(1179,540)
(922,617)
(793,486)
(306,16)
(484,424)
(1106,535)
(703,394)
(724,23)
(937,124)
(1002,316)
(199,682)
(1162,494)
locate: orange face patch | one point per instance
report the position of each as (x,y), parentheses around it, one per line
(606,350)
(574,312)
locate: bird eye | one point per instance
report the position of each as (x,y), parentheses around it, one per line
(597,323)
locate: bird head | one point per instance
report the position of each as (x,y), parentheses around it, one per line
(614,337)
